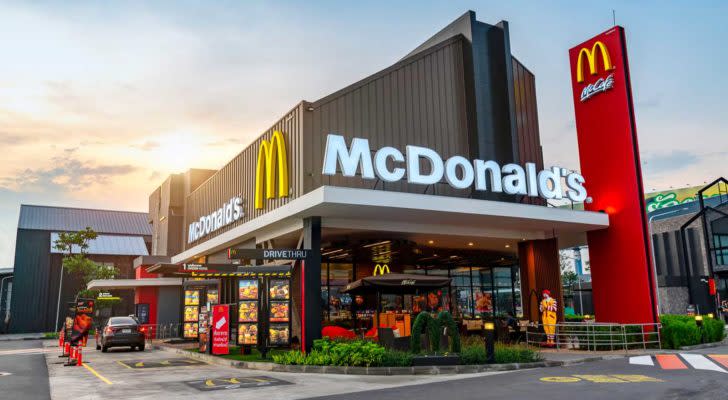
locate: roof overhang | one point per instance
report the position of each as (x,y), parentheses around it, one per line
(143,261)
(110,284)
(378,210)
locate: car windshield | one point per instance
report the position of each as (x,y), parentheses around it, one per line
(122,321)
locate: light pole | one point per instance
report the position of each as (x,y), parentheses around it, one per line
(652,250)
(58,304)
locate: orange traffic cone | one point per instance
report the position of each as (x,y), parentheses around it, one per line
(79,357)
(67,350)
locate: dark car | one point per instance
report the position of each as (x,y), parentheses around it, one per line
(120,332)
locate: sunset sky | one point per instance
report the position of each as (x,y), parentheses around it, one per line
(99,103)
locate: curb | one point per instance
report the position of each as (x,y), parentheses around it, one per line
(13,339)
(419,370)
(704,346)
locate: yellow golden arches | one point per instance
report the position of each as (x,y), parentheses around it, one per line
(381,269)
(268,154)
(592,59)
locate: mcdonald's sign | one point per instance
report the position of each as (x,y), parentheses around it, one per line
(591,58)
(381,269)
(272,163)
(609,152)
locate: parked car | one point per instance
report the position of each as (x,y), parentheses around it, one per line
(120,332)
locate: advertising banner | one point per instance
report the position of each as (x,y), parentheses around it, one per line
(620,256)
(220,329)
(82,321)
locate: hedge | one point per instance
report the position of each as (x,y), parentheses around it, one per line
(682,330)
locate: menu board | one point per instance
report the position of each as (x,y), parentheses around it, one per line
(192,297)
(279,311)
(248,311)
(191,313)
(212,296)
(279,289)
(190,330)
(248,289)
(279,334)
(248,334)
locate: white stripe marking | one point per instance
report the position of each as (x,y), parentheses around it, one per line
(641,360)
(699,361)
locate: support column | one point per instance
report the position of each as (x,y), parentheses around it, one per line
(311,283)
(540,269)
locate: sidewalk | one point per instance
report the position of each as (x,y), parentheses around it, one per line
(21,336)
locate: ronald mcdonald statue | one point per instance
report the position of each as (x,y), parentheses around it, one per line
(548,316)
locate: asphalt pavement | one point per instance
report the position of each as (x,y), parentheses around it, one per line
(23,371)
(608,380)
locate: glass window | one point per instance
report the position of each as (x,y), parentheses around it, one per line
(340,274)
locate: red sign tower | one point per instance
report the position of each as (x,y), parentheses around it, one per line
(623,280)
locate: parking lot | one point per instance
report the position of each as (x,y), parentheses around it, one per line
(159,374)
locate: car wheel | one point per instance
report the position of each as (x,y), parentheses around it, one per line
(141,348)
(98,347)
(104,349)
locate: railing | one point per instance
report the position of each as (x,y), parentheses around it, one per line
(161,331)
(594,336)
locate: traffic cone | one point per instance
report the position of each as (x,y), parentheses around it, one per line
(67,350)
(79,357)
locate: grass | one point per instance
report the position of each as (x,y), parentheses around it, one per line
(254,355)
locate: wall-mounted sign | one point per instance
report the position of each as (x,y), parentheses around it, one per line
(268,254)
(381,269)
(272,163)
(200,267)
(225,215)
(458,171)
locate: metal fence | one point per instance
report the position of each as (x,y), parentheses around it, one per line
(162,331)
(594,336)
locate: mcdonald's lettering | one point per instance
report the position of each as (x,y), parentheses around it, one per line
(381,269)
(591,58)
(272,162)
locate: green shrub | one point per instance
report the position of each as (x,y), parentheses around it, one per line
(445,320)
(396,359)
(356,353)
(573,318)
(682,330)
(504,354)
(425,322)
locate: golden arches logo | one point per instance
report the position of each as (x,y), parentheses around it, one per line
(381,269)
(271,161)
(591,57)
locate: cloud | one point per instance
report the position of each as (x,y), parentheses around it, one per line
(675,160)
(147,145)
(66,175)
(9,139)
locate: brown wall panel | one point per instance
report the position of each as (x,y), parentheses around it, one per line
(540,269)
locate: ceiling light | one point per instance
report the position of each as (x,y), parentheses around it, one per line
(508,246)
(377,243)
(430,241)
(470,243)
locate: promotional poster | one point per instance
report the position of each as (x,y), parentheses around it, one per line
(220,329)
(82,321)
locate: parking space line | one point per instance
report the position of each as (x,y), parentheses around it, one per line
(121,363)
(93,371)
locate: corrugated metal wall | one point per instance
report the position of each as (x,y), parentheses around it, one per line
(31,281)
(526,112)
(418,101)
(237,178)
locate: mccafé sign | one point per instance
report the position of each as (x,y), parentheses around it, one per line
(590,55)
(230,212)
(458,171)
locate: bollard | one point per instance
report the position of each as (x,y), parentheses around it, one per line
(67,349)
(79,357)
(72,355)
(489,342)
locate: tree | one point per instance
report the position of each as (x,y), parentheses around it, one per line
(74,247)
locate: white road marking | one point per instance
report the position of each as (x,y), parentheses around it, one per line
(28,351)
(699,361)
(641,360)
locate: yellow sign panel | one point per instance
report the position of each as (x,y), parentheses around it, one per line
(272,162)
(591,57)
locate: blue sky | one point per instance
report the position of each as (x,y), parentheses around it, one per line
(99,102)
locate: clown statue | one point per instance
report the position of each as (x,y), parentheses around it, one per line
(548,317)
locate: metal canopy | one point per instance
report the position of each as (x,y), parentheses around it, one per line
(397,284)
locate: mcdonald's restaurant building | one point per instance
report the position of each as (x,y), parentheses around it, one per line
(431,166)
